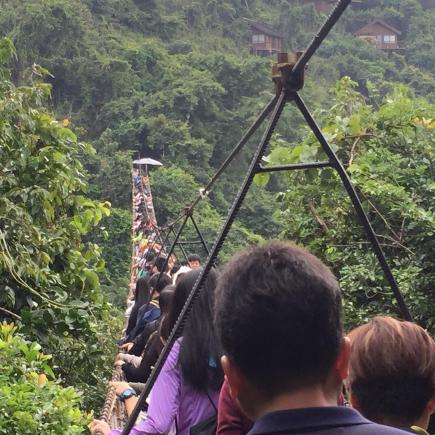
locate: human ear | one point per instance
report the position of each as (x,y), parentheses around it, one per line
(342,362)
(233,376)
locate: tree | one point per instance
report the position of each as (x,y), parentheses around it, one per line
(48,272)
(388,151)
(32,399)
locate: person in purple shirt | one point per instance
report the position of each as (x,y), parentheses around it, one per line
(187,389)
(278,315)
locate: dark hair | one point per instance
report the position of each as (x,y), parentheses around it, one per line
(182,290)
(150,256)
(278,315)
(160,263)
(164,327)
(194,257)
(142,296)
(392,370)
(175,269)
(142,292)
(199,352)
(165,299)
(159,284)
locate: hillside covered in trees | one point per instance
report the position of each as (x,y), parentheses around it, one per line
(175,80)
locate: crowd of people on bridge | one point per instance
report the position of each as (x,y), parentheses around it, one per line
(271,321)
(264,351)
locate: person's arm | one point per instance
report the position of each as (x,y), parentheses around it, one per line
(130,404)
(164,401)
(149,358)
(99,426)
(131,359)
(140,341)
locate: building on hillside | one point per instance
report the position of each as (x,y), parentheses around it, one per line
(380,34)
(264,40)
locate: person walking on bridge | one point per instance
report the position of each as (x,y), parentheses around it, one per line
(278,316)
(186,391)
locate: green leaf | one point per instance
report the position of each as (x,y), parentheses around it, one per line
(355,125)
(261,180)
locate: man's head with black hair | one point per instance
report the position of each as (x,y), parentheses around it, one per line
(159,264)
(150,256)
(278,315)
(194,261)
(156,284)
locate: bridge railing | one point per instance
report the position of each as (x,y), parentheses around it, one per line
(143,222)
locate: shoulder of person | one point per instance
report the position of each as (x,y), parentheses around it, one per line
(172,359)
(380,429)
(154,303)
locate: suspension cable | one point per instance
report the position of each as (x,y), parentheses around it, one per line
(236,150)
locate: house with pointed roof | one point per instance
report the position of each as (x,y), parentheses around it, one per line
(265,40)
(380,34)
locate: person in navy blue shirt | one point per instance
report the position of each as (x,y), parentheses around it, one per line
(278,313)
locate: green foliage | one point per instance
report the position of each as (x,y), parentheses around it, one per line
(174,80)
(43,212)
(388,152)
(31,399)
(115,240)
(85,361)
(173,188)
(49,272)
(110,175)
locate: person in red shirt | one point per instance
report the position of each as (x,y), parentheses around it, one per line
(231,420)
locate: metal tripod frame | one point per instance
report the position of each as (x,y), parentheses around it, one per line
(201,241)
(180,244)
(288,92)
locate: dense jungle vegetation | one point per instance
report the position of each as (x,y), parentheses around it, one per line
(87,85)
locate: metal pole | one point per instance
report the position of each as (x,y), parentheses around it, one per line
(200,235)
(165,240)
(312,165)
(177,236)
(182,249)
(370,233)
(158,236)
(323,32)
